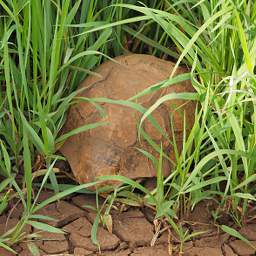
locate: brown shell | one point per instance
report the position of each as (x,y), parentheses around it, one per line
(112,149)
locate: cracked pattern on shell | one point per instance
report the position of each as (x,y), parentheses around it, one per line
(112,149)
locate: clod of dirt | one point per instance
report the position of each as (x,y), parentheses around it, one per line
(26,252)
(212,241)
(203,251)
(249,231)
(83,201)
(188,245)
(52,243)
(63,212)
(133,228)
(47,243)
(106,240)
(80,226)
(151,251)
(242,248)
(48,236)
(112,149)
(53,247)
(80,231)
(118,253)
(23,250)
(228,251)
(81,252)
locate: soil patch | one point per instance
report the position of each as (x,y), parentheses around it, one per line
(133,234)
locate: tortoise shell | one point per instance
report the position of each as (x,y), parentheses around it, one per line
(113,149)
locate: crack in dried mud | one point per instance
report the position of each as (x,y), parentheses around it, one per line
(131,236)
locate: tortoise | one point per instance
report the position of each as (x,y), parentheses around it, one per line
(113,149)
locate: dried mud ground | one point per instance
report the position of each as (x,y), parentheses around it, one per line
(133,233)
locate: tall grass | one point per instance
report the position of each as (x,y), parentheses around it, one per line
(217,40)
(46,49)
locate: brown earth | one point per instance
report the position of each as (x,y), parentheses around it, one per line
(132,233)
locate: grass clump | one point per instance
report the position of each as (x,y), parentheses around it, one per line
(216,40)
(45,51)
